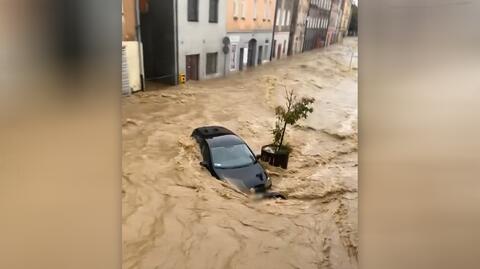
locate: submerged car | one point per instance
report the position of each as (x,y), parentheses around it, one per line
(229,158)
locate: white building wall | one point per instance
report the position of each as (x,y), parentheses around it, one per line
(281,38)
(201,37)
(133,62)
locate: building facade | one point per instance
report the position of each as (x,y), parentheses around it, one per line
(283,16)
(168,40)
(201,28)
(249,29)
(297,28)
(317,24)
(132,59)
(345,20)
(334,22)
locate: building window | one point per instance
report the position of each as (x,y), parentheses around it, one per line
(235,8)
(288,18)
(192,10)
(265,8)
(243,5)
(211,63)
(279,14)
(284,17)
(254,9)
(143,6)
(269,15)
(213,17)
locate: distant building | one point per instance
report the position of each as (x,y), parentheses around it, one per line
(249,29)
(132,65)
(297,28)
(317,24)
(334,22)
(283,17)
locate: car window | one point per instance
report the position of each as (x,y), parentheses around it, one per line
(232,156)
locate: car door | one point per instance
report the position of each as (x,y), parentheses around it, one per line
(206,156)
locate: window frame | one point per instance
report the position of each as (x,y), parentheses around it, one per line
(189,18)
(243,4)
(207,70)
(216,13)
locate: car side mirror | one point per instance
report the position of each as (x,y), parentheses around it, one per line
(204,164)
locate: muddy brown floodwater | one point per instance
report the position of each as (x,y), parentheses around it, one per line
(175,215)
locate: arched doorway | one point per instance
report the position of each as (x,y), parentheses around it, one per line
(252,49)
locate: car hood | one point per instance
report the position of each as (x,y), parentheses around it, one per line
(244,178)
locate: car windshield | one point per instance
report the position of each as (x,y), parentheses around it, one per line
(233,156)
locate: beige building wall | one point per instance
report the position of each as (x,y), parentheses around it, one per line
(347,10)
(249,15)
(128,20)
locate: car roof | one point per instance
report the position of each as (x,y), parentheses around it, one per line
(224,140)
(211,131)
(217,136)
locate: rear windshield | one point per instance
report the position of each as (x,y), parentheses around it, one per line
(232,156)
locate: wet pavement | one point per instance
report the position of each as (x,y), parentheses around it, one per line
(175,215)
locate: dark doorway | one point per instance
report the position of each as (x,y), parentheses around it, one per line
(192,63)
(279,52)
(240,61)
(158,38)
(274,45)
(260,54)
(252,47)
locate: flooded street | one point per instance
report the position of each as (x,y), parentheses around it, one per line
(176,215)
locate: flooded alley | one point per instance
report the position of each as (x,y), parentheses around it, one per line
(176,215)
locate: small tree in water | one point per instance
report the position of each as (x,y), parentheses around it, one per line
(293,111)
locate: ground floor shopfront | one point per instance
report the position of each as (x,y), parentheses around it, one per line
(280,42)
(248,49)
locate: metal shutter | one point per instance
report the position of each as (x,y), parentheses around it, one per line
(125,81)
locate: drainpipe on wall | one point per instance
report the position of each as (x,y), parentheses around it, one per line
(140,46)
(175,40)
(273,32)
